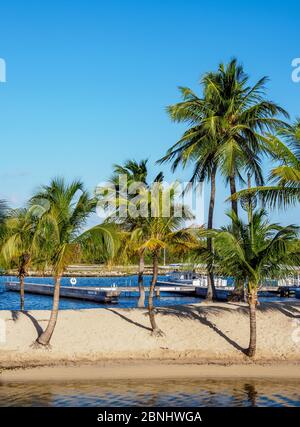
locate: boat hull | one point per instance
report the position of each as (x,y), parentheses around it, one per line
(222,294)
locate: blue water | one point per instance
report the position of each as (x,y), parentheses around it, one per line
(11,300)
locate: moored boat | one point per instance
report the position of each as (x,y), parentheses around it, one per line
(222,294)
(190,278)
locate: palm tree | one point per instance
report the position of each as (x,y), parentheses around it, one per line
(63,210)
(285,178)
(256,251)
(20,243)
(159,231)
(136,174)
(225,132)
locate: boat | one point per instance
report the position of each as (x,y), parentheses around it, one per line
(95,294)
(292,281)
(190,278)
(222,294)
(297,293)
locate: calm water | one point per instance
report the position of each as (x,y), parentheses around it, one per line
(153,393)
(11,300)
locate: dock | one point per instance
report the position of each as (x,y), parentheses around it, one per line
(111,294)
(224,293)
(96,294)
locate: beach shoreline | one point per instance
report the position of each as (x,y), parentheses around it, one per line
(202,333)
(152,370)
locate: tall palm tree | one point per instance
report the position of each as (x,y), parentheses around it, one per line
(63,210)
(284,188)
(226,127)
(137,175)
(20,243)
(256,250)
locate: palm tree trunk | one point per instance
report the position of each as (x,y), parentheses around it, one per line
(155,329)
(234,203)
(211,289)
(45,337)
(141,301)
(252,301)
(22,292)
(24,261)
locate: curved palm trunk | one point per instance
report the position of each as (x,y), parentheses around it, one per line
(252,301)
(211,289)
(155,328)
(141,301)
(234,203)
(45,337)
(25,259)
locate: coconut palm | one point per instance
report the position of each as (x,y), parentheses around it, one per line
(160,231)
(226,127)
(284,190)
(63,210)
(256,251)
(125,203)
(242,117)
(20,243)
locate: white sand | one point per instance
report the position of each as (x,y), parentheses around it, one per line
(202,332)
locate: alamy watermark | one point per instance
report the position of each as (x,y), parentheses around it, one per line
(132,199)
(296,331)
(2,331)
(296,70)
(2,71)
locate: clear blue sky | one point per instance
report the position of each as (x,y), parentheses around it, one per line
(88,81)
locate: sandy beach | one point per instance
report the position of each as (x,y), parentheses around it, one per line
(201,333)
(152,370)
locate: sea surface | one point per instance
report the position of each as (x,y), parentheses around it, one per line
(11,300)
(153,393)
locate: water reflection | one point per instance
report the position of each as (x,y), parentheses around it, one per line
(153,393)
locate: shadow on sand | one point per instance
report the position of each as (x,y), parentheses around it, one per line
(16,315)
(129,320)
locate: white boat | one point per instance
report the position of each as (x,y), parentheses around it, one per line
(290,281)
(190,278)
